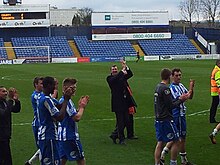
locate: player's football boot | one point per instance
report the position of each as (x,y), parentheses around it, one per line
(27,163)
(212,138)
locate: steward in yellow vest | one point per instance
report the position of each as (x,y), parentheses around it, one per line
(215,91)
(215,81)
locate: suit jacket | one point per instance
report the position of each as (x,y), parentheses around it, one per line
(119,91)
(6,107)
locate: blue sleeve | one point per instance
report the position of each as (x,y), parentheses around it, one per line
(71,109)
(33,101)
(49,104)
(61,100)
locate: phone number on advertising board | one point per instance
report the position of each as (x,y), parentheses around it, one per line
(140,36)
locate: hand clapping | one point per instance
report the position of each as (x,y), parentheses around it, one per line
(191,83)
(12,93)
(83,101)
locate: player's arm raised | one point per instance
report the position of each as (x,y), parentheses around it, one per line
(191,87)
(81,107)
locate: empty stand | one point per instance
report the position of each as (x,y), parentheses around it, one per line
(179,44)
(58,47)
(103,48)
(3,54)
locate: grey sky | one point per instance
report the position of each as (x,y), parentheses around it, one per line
(116,5)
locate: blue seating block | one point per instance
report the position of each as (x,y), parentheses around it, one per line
(179,44)
(59,46)
(3,53)
(103,48)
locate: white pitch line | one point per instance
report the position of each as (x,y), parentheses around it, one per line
(197,113)
(136,118)
(22,124)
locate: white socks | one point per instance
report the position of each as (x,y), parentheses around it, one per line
(183,157)
(164,152)
(36,156)
(215,131)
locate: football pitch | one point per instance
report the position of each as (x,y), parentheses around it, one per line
(98,120)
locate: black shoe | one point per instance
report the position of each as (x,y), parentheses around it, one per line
(122,142)
(27,163)
(133,138)
(214,122)
(113,138)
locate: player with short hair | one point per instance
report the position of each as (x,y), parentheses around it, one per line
(70,145)
(48,115)
(179,113)
(166,130)
(38,86)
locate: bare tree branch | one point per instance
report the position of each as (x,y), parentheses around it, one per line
(188,9)
(83,16)
(210,8)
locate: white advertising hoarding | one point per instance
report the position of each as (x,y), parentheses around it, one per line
(201,39)
(130,18)
(151,58)
(131,36)
(64,60)
(24,23)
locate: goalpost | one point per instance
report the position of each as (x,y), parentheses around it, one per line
(33,54)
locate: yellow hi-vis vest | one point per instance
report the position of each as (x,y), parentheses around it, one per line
(215,81)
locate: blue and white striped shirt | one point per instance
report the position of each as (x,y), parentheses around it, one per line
(68,128)
(177,90)
(34,101)
(47,125)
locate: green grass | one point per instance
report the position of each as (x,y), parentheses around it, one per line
(98,120)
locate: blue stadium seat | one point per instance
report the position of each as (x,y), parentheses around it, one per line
(179,44)
(103,48)
(59,47)
(3,53)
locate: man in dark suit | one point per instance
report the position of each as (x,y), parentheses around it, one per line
(120,99)
(7,106)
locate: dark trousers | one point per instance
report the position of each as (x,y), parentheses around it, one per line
(213,109)
(122,121)
(5,153)
(129,126)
